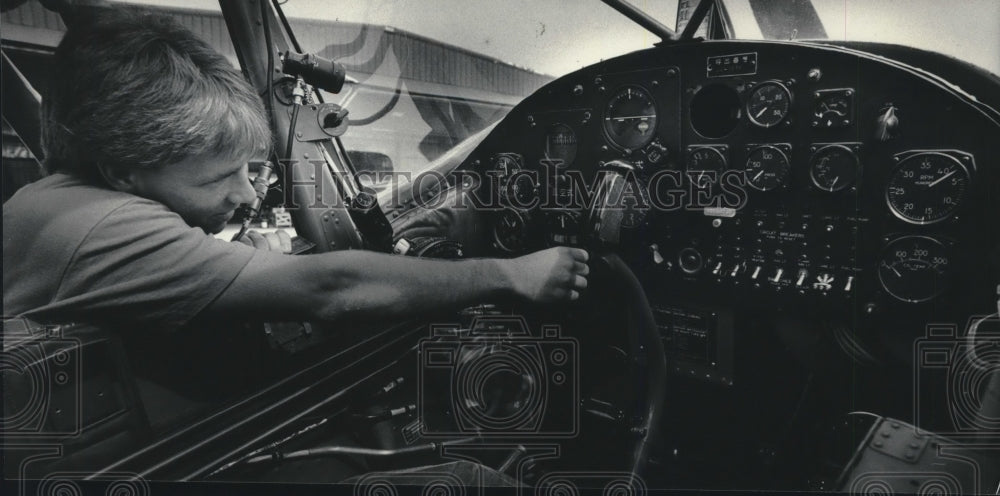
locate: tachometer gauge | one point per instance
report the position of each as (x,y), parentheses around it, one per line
(915,268)
(630,118)
(833,168)
(702,161)
(510,232)
(767,168)
(768,104)
(560,145)
(927,188)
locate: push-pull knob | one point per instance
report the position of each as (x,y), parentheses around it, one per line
(887,124)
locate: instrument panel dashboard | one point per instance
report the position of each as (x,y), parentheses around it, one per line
(763,176)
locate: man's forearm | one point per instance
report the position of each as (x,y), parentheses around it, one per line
(373,286)
(367,287)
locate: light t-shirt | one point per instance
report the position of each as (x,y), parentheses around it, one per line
(73,252)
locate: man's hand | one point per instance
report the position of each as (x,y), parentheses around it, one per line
(551,275)
(278,241)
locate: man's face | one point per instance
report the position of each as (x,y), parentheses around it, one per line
(204,190)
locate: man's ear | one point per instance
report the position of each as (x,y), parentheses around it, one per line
(119,178)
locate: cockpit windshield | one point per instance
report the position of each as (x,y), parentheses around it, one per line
(428,80)
(426,75)
(965,30)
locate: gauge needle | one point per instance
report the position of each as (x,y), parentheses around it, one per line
(757,116)
(627,117)
(942,178)
(758,175)
(834,183)
(896,271)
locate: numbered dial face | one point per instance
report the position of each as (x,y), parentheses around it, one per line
(520,191)
(927,188)
(560,145)
(517,186)
(767,168)
(703,161)
(507,164)
(630,118)
(833,168)
(510,232)
(768,104)
(915,268)
(635,201)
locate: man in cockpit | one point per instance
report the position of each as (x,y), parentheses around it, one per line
(147,134)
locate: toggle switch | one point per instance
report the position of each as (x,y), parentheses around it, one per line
(777,275)
(657,258)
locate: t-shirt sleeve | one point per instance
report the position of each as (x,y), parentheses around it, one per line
(142,263)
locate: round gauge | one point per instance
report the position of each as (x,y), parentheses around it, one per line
(564,227)
(927,188)
(507,164)
(510,232)
(516,186)
(706,158)
(767,168)
(519,191)
(702,160)
(630,118)
(635,202)
(560,145)
(768,104)
(914,268)
(833,168)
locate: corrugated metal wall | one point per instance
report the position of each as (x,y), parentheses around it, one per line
(32,14)
(420,59)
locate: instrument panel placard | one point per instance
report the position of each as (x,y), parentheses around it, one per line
(737,64)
